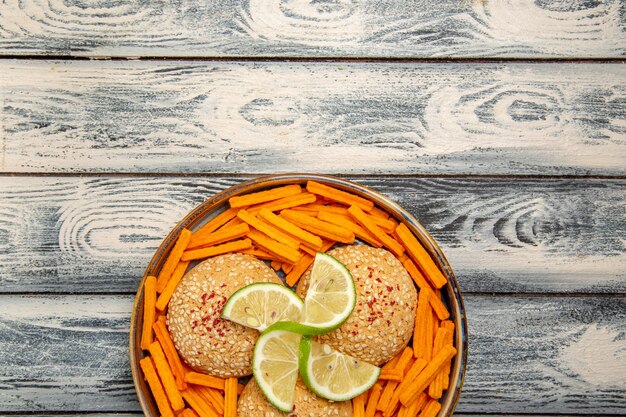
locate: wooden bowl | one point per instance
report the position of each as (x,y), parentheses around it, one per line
(218,203)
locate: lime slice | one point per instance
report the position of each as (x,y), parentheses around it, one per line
(261,304)
(333,375)
(275,366)
(331,295)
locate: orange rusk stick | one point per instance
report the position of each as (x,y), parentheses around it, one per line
(438,307)
(198,403)
(347,223)
(221,236)
(204,380)
(390,375)
(422,335)
(213,397)
(339,196)
(434,324)
(385,224)
(231,223)
(392,363)
(188,412)
(287,267)
(419,255)
(358,405)
(367,222)
(416,274)
(403,359)
(411,374)
(401,366)
(386,395)
(380,213)
(445,374)
(372,401)
(312,208)
(177,275)
(268,229)
(308,250)
(319,227)
(276,265)
(417,405)
(163,336)
(230,398)
(167,378)
(173,259)
(233,246)
(263,196)
(435,389)
(340,210)
(307,238)
(298,269)
(259,253)
(297,200)
(215,223)
(396,372)
(155,386)
(149,311)
(431,409)
(283,251)
(425,377)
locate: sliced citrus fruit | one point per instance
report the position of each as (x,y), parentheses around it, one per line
(275,366)
(261,304)
(331,295)
(333,375)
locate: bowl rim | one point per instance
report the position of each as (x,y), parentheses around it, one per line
(213,204)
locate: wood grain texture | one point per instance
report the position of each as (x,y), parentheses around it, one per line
(556,355)
(287,28)
(451,118)
(74,234)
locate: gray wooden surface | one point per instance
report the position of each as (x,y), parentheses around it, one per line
(360,118)
(510,150)
(346,28)
(500,235)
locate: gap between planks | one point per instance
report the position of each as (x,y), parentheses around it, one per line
(511,294)
(248,176)
(345,59)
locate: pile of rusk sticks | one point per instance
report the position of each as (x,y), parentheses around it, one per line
(287,226)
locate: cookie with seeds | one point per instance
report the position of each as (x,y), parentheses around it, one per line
(205,341)
(252,403)
(382,321)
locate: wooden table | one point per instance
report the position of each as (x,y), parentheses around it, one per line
(500,124)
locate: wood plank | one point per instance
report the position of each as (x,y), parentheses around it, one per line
(556,355)
(447,28)
(65,354)
(360,118)
(73,234)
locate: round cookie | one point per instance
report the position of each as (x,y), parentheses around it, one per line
(383,319)
(206,342)
(252,403)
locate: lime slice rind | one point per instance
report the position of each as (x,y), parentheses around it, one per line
(299,328)
(334,375)
(259,305)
